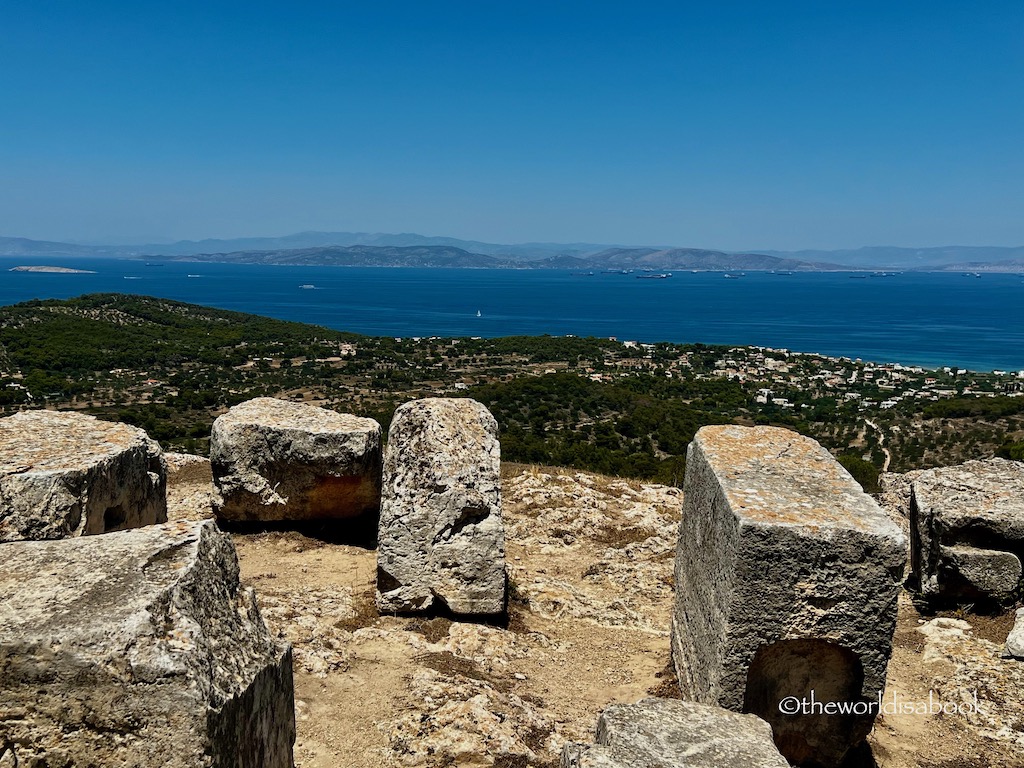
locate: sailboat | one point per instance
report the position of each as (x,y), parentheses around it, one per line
(478,313)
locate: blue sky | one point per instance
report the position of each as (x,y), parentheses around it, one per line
(716,124)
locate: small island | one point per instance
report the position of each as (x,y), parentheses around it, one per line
(59,270)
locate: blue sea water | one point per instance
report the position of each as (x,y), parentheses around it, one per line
(928,319)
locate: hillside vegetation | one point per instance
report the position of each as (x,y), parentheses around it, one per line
(614,407)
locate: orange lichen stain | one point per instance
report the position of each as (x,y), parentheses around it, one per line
(346,496)
(51,440)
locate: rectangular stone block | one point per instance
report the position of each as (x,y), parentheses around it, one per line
(66,474)
(274,460)
(668,733)
(981,574)
(138,648)
(967,531)
(787,576)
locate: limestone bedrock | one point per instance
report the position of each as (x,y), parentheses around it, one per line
(967,531)
(67,474)
(274,460)
(668,733)
(139,648)
(787,576)
(441,538)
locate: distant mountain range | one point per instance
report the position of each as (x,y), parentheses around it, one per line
(447,256)
(951,257)
(411,250)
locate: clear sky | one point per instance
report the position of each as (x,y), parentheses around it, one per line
(819,124)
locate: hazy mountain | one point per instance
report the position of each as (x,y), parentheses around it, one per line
(22,246)
(358,256)
(1008,265)
(891,257)
(549,255)
(446,256)
(522,251)
(696,258)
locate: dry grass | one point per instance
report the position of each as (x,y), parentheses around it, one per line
(433,630)
(448,663)
(620,538)
(365,614)
(993,628)
(668,688)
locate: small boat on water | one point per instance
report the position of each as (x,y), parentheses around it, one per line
(193,275)
(654,277)
(734,276)
(478,313)
(308,286)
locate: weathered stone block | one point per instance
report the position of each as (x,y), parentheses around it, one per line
(275,460)
(972,573)
(441,538)
(138,648)
(668,733)
(67,474)
(787,576)
(961,518)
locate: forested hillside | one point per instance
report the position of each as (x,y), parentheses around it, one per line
(614,407)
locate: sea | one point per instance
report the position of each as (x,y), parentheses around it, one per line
(914,318)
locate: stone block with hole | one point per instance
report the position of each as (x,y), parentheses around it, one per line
(66,474)
(274,460)
(787,576)
(139,648)
(967,531)
(441,542)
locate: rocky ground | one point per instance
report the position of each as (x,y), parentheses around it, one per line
(590,562)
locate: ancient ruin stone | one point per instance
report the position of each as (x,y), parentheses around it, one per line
(979,573)
(967,531)
(275,460)
(138,648)
(441,538)
(787,576)
(1014,648)
(666,733)
(67,474)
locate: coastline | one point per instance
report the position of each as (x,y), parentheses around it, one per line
(924,319)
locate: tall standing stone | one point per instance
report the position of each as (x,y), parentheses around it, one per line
(441,539)
(65,474)
(787,576)
(139,648)
(274,460)
(967,531)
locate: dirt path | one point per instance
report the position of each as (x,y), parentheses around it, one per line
(881,444)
